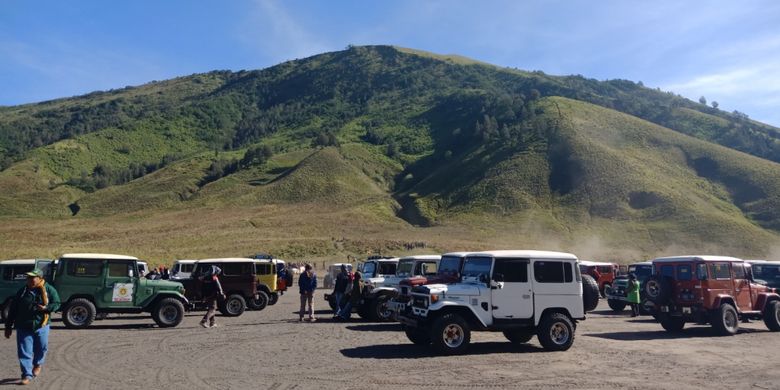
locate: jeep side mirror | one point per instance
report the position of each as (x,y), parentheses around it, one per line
(130,273)
(498,277)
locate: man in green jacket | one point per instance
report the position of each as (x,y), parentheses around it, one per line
(30,313)
(632,293)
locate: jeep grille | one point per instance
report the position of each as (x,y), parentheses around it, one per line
(421,302)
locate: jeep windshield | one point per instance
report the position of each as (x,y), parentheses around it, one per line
(449,265)
(642,272)
(770,273)
(405,268)
(386,268)
(473,267)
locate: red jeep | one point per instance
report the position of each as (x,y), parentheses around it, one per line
(603,273)
(448,272)
(710,289)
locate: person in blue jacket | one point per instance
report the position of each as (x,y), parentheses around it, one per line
(307,283)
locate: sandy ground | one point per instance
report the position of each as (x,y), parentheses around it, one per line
(271,350)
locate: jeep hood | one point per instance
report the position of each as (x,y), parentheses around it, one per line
(164,285)
(449,289)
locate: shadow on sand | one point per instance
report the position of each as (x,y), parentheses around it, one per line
(688,333)
(381,327)
(411,351)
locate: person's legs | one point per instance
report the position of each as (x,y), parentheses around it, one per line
(303,306)
(346,311)
(634,309)
(211,308)
(309,299)
(339,299)
(24,350)
(40,347)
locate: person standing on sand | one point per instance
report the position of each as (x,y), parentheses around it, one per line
(211,291)
(632,294)
(340,288)
(354,296)
(29,314)
(307,283)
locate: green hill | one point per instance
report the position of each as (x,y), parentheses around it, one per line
(380,148)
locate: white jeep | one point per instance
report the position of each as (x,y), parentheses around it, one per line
(519,293)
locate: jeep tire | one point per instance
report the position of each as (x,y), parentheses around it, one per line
(658,289)
(260,302)
(606,289)
(556,332)
(616,305)
(168,312)
(273,298)
(725,320)
(519,336)
(79,313)
(590,293)
(379,310)
(417,336)
(772,316)
(670,323)
(233,306)
(450,334)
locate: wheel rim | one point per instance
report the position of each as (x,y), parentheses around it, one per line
(453,335)
(383,312)
(169,313)
(78,315)
(260,301)
(559,333)
(234,306)
(652,288)
(730,319)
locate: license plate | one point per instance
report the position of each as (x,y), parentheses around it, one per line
(664,309)
(686,310)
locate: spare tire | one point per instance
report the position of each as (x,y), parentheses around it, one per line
(658,289)
(590,293)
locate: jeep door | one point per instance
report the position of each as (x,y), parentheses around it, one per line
(720,282)
(513,298)
(742,292)
(120,287)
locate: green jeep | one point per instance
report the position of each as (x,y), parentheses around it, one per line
(12,278)
(90,284)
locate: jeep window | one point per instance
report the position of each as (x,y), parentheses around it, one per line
(263,269)
(186,267)
(387,268)
(548,271)
(449,265)
(427,268)
(85,268)
(17,272)
(605,269)
(739,271)
(720,271)
(119,269)
(766,272)
(667,270)
(701,271)
(514,270)
(236,269)
(684,272)
(368,269)
(405,268)
(567,272)
(641,271)
(577,274)
(475,266)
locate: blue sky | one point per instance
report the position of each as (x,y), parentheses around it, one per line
(727,51)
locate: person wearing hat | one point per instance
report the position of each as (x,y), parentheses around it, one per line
(632,294)
(30,314)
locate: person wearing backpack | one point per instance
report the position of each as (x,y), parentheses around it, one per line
(30,315)
(211,291)
(307,284)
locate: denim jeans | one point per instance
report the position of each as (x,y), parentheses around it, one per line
(31,347)
(346,311)
(339,298)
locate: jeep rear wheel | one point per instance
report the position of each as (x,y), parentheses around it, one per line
(79,313)
(260,302)
(233,306)
(273,298)
(658,289)
(671,324)
(521,336)
(379,309)
(606,289)
(590,293)
(417,336)
(616,305)
(556,332)
(450,334)
(772,316)
(168,313)
(725,320)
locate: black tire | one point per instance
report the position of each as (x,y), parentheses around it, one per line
(671,324)
(521,336)
(658,289)
(590,293)
(260,302)
(379,310)
(168,313)
(273,298)
(332,302)
(772,316)
(233,306)
(725,320)
(450,334)
(556,332)
(363,312)
(647,308)
(616,305)
(606,288)
(79,313)
(418,336)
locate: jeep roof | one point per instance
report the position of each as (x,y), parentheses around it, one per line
(526,254)
(706,258)
(96,256)
(18,262)
(457,254)
(588,263)
(185,261)
(642,263)
(421,257)
(385,260)
(229,260)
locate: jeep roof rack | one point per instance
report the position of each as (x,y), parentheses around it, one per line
(228,260)
(527,254)
(96,256)
(674,259)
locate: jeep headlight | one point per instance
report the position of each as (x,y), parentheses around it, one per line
(434,298)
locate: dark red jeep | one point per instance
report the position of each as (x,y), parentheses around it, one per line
(710,289)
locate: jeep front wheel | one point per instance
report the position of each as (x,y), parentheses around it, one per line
(379,309)
(260,302)
(273,298)
(772,316)
(450,334)
(79,313)
(417,336)
(519,336)
(725,320)
(616,305)
(556,332)
(233,306)
(168,313)
(671,324)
